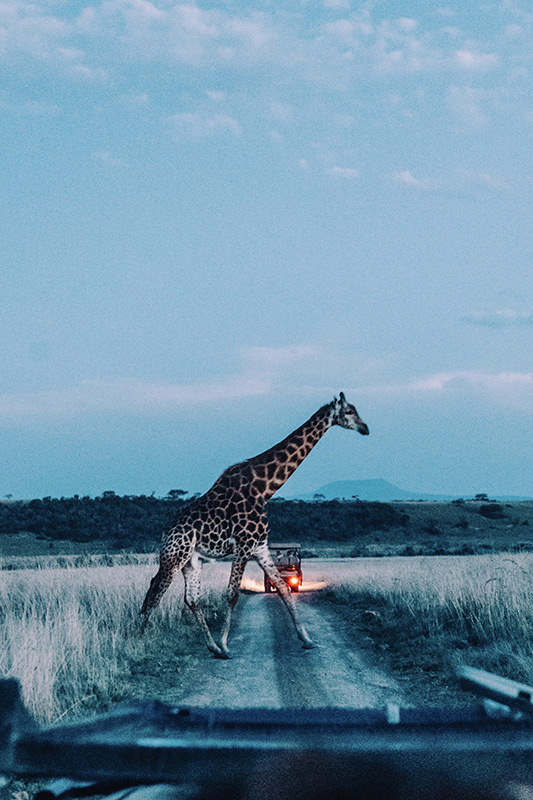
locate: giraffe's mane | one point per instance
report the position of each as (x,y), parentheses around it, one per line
(287,439)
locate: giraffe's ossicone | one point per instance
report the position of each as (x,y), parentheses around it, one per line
(230,519)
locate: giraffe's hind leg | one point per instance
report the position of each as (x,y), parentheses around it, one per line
(172,559)
(158,586)
(264,559)
(191,575)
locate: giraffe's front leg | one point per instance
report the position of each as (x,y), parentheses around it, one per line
(191,575)
(264,559)
(237,571)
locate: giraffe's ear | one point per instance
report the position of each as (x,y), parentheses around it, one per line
(335,399)
(342,397)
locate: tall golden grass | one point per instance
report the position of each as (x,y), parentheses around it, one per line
(474,608)
(70,635)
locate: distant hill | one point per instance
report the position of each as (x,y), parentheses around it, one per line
(378,489)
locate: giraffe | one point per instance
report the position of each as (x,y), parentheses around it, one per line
(230,519)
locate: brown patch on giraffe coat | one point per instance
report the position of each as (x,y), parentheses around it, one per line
(281,473)
(271,469)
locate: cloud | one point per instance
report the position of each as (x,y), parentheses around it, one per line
(400,47)
(406,23)
(485,180)
(217,96)
(199,124)
(331,47)
(262,369)
(465,104)
(480,62)
(349,31)
(503,318)
(126,396)
(89,74)
(25,28)
(268,358)
(344,172)
(406,177)
(339,4)
(182,32)
(506,389)
(137,100)
(457,180)
(281,112)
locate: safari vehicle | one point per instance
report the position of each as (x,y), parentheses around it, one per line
(288,559)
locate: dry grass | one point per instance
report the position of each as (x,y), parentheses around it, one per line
(432,613)
(71,635)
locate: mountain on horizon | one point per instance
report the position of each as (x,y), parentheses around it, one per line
(377,489)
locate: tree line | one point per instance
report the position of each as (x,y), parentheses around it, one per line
(137,521)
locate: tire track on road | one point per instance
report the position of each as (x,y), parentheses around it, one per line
(247,680)
(270,669)
(334,674)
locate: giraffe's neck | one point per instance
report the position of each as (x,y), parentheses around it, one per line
(275,466)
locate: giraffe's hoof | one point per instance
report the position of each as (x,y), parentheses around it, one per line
(142,626)
(223,654)
(309,645)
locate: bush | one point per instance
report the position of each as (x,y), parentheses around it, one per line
(491,511)
(333,520)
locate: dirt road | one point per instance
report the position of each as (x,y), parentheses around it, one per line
(269,668)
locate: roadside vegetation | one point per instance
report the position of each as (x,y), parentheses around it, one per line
(74,571)
(113,524)
(425,616)
(72,636)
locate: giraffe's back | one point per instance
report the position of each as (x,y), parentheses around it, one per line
(212,520)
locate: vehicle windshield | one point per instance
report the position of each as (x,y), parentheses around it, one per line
(286,558)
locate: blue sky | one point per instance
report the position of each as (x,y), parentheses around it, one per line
(214,217)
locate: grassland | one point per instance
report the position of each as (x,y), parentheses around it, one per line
(69,610)
(425,616)
(71,635)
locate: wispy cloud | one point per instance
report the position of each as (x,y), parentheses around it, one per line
(501,318)
(344,172)
(465,103)
(479,62)
(505,389)
(216,95)
(441,381)
(261,358)
(343,5)
(406,177)
(456,180)
(127,396)
(199,124)
(362,40)
(482,180)
(262,369)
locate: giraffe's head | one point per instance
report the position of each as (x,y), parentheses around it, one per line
(345,415)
